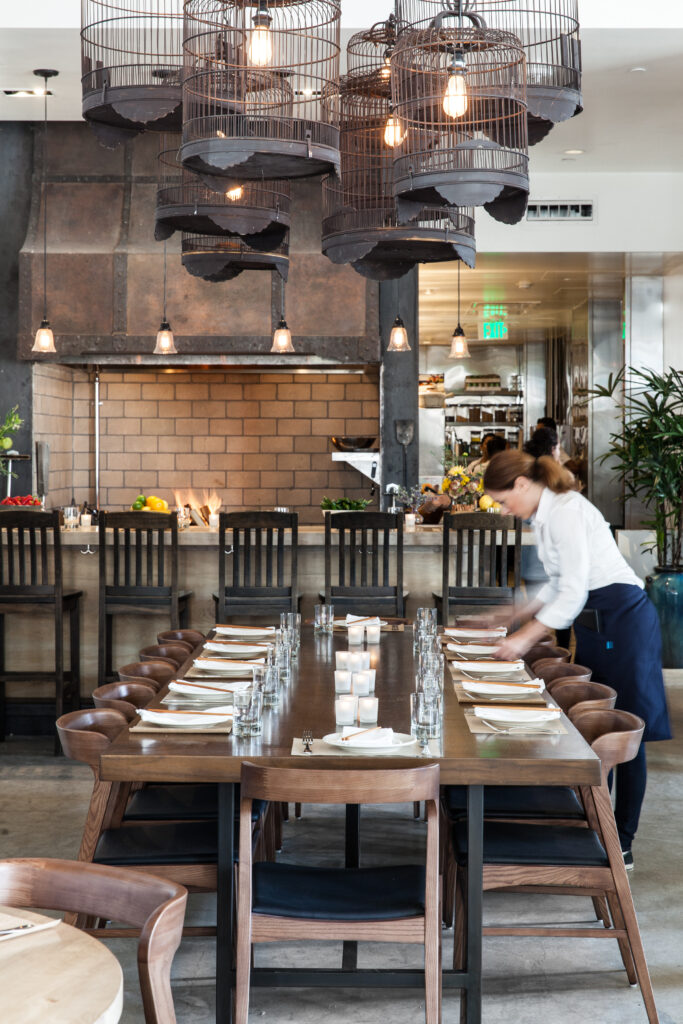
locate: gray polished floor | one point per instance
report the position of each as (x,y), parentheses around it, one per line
(43,801)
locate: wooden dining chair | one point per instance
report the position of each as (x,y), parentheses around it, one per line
(280,902)
(560,672)
(155,906)
(189,636)
(575,698)
(474,561)
(31,578)
(565,860)
(176,653)
(156,673)
(138,575)
(124,697)
(257,569)
(364,563)
(546,653)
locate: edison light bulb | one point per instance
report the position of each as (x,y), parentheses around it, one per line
(386,69)
(393,131)
(44,340)
(235,193)
(261,43)
(455,99)
(282,338)
(165,344)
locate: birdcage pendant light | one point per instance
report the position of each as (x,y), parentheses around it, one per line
(459,91)
(131,60)
(260,88)
(360,221)
(222,258)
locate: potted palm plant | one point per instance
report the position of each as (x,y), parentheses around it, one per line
(648,455)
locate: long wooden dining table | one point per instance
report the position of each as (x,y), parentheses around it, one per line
(465,759)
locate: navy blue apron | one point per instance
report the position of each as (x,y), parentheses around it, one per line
(627,654)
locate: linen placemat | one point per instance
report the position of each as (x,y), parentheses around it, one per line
(480,728)
(321,749)
(222,728)
(466,698)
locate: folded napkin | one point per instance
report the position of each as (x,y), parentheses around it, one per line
(365,619)
(518,715)
(478,634)
(378,738)
(189,686)
(493,666)
(472,648)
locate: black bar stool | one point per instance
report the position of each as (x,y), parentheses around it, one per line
(136,576)
(366,580)
(263,583)
(30,576)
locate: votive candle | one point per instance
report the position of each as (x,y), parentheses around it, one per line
(345,712)
(86,519)
(356,634)
(368,710)
(213,519)
(361,683)
(342,681)
(372,634)
(342,659)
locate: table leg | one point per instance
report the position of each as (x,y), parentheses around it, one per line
(225,902)
(350,949)
(475,872)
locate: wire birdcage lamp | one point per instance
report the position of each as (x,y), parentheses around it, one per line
(223,258)
(459,93)
(259,90)
(360,220)
(131,63)
(549,33)
(257,211)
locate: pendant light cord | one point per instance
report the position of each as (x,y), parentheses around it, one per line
(164,316)
(459,264)
(282,298)
(45,202)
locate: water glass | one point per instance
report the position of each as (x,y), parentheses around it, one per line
(252,717)
(258,673)
(294,629)
(284,664)
(241,701)
(271,687)
(70,513)
(323,621)
(425,716)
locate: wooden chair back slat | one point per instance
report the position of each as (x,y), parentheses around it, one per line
(256,545)
(30,555)
(130,566)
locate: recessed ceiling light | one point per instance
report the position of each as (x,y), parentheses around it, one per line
(574,152)
(525,284)
(568,160)
(637,68)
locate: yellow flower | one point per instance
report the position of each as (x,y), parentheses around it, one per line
(445,485)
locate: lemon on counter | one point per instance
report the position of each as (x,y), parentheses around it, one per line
(486,502)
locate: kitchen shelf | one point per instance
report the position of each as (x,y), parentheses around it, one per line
(492,393)
(485,423)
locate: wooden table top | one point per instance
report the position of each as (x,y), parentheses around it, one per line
(60,976)
(308,702)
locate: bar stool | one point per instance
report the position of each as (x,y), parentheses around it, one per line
(176,653)
(189,636)
(134,574)
(153,673)
(31,576)
(262,583)
(364,581)
(574,698)
(556,674)
(546,652)
(123,697)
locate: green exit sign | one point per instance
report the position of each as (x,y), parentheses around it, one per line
(494,329)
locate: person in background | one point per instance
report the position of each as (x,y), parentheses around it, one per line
(490,446)
(551,424)
(591,585)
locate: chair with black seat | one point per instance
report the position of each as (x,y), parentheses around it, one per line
(476,543)
(565,860)
(138,575)
(365,581)
(283,902)
(31,577)
(155,907)
(263,568)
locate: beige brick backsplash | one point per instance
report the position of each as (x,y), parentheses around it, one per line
(257,439)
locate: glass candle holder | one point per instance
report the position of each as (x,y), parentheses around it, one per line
(342,681)
(86,520)
(345,711)
(372,634)
(213,520)
(356,634)
(361,683)
(342,659)
(368,710)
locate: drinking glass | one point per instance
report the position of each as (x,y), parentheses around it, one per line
(284,664)
(70,513)
(258,676)
(241,700)
(427,717)
(329,619)
(252,718)
(294,629)
(271,687)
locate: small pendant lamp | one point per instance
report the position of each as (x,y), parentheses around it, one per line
(165,344)
(398,339)
(282,336)
(459,348)
(44,342)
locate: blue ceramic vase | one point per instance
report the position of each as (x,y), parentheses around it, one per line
(665,590)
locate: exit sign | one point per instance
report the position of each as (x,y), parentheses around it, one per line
(494,329)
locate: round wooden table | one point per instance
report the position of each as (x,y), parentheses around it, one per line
(59,975)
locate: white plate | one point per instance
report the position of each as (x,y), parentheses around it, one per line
(477,634)
(345,624)
(497,691)
(186,720)
(212,690)
(489,668)
(398,740)
(246,632)
(226,666)
(472,648)
(518,716)
(235,650)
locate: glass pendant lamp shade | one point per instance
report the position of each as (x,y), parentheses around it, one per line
(459,348)
(165,345)
(398,339)
(45,339)
(282,338)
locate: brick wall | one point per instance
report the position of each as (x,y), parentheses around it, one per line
(257,439)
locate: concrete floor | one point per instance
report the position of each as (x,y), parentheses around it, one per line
(43,802)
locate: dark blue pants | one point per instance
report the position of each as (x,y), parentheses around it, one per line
(631,783)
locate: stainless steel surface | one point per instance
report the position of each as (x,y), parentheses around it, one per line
(606,356)
(97,439)
(432,424)
(534,383)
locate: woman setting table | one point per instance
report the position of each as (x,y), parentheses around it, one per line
(592,586)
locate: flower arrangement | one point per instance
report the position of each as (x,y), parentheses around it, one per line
(464,487)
